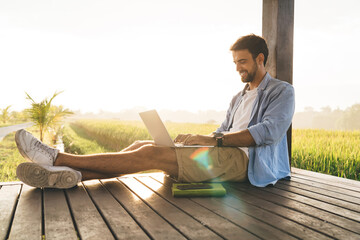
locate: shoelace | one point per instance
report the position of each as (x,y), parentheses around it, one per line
(44,148)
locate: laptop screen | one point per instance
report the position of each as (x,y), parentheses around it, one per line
(156,128)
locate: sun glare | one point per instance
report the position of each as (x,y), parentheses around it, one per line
(140,191)
(201,156)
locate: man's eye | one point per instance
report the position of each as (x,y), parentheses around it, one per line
(240,62)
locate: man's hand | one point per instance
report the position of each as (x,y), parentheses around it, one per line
(191,139)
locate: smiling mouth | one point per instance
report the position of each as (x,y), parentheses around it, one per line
(242,74)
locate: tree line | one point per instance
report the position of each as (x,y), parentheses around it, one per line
(12,117)
(46,115)
(337,119)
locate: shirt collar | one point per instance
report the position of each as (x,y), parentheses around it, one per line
(264,82)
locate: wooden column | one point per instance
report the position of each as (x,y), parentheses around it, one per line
(278,30)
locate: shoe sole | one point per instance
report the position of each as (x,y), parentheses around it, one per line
(40,176)
(19,146)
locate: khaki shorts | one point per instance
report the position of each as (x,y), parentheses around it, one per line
(215,164)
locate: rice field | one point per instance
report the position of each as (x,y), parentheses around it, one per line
(331,152)
(116,135)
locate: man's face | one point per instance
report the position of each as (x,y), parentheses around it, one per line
(245,65)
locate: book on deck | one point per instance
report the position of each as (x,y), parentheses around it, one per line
(198,190)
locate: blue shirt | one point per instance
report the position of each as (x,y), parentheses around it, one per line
(270,119)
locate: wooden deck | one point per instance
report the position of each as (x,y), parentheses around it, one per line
(310,206)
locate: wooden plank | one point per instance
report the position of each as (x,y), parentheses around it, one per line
(325,189)
(57,219)
(8,199)
(326,176)
(334,198)
(318,203)
(327,179)
(218,224)
(28,220)
(253,225)
(325,222)
(153,224)
(183,222)
(121,223)
(234,200)
(354,190)
(89,223)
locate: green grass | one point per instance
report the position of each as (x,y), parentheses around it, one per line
(116,135)
(6,124)
(13,122)
(111,134)
(10,158)
(331,152)
(76,141)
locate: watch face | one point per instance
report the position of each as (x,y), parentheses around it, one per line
(219,135)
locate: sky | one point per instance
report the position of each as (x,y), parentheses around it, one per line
(113,55)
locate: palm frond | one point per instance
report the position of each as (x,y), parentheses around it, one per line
(43,114)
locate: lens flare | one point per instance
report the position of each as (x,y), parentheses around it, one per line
(201,156)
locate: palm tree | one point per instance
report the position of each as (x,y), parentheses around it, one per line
(5,114)
(44,115)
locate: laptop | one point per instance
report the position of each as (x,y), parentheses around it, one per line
(158,131)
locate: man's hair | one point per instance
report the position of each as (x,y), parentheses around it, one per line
(254,44)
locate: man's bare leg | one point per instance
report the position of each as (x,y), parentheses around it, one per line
(88,175)
(107,165)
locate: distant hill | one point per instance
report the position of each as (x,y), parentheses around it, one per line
(348,119)
(208,116)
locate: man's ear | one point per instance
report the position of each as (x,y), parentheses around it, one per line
(260,58)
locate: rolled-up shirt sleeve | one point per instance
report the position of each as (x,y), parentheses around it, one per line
(224,126)
(276,118)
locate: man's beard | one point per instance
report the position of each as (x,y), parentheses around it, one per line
(250,75)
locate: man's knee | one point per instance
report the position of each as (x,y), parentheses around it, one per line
(148,148)
(157,151)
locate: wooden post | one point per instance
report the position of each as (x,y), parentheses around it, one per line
(278,30)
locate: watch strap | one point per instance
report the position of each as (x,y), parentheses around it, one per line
(219,139)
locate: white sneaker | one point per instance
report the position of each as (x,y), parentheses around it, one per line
(34,150)
(39,176)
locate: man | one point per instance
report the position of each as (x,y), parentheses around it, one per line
(251,142)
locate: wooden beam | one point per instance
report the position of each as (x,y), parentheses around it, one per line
(278,30)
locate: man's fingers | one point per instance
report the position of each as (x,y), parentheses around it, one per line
(177,139)
(181,138)
(186,139)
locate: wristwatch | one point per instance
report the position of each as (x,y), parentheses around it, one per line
(219,138)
